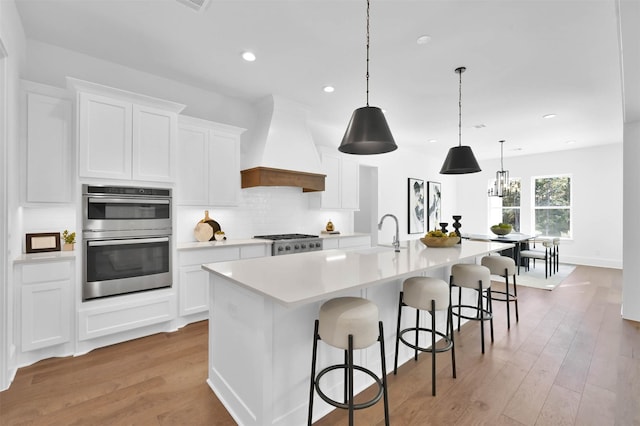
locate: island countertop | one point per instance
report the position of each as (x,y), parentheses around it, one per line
(303,278)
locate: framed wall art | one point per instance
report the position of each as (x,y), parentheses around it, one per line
(434,202)
(42,242)
(416,205)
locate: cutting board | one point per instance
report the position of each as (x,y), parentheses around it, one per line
(206,228)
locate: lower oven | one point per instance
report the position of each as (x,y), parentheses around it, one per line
(125,264)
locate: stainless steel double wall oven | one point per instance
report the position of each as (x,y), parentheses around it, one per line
(126,240)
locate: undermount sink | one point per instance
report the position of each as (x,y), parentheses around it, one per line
(382,248)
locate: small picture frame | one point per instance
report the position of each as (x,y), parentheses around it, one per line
(434,205)
(42,242)
(416,205)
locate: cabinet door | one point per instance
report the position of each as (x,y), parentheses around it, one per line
(48,149)
(45,314)
(349,184)
(330,198)
(224,169)
(154,134)
(105,137)
(194,290)
(193,166)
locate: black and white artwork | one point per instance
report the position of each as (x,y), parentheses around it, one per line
(434,202)
(416,205)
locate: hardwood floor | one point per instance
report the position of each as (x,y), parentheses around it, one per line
(570,360)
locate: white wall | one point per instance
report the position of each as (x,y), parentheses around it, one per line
(597,200)
(631,272)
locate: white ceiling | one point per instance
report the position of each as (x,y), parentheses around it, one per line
(524,59)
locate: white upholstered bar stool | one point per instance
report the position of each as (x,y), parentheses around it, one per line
(504,267)
(431,295)
(478,278)
(348,323)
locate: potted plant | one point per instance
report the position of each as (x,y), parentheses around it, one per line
(69,240)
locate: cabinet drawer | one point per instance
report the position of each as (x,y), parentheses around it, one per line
(46,272)
(248,252)
(208,255)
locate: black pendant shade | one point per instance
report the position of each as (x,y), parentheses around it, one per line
(460,160)
(367,133)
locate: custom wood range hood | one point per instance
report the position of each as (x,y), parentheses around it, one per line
(282,151)
(266,176)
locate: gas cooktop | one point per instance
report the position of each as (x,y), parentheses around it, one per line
(276,237)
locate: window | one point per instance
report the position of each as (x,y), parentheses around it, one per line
(552,206)
(511,205)
(506,209)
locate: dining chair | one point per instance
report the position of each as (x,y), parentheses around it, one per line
(538,254)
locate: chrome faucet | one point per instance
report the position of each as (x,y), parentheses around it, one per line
(396,241)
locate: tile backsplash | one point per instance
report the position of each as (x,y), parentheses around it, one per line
(264,210)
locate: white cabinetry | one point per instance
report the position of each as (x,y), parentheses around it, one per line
(45,307)
(341,183)
(208,163)
(193,293)
(47,116)
(123,135)
(346,242)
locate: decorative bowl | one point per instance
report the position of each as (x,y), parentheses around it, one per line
(501,231)
(440,241)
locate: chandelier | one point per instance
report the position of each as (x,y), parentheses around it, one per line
(501,184)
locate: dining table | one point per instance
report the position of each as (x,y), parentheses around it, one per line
(518,240)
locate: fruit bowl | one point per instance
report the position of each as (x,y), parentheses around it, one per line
(501,230)
(440,241)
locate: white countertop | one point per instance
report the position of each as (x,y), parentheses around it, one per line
(45,256)
(303,278)
(224,243)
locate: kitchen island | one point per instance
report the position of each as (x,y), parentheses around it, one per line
(262,313)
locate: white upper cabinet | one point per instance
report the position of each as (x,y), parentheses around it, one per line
(47,117)
(342,181)
(123,135)
(208,163)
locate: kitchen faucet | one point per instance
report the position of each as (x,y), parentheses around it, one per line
(396,241)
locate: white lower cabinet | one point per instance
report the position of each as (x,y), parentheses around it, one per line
(346,242)
(45,308)
(193,285)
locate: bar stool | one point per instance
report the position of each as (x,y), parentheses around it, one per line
(348,323)
(431,295)
(504,267)
(476,277)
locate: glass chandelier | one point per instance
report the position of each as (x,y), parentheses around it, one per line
(501,184)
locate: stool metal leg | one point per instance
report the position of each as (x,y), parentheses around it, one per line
(490,310)
(350,369)
(453,345)
(433,346)
(508,296)
(313,371)
(384,375)
(415,355)
(481,312)
(515,294)
(395,363)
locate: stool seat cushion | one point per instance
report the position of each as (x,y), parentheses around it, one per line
(498,264)
(343,316)
(418,292)
(469,274)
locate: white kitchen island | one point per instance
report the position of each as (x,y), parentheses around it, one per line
(262,313)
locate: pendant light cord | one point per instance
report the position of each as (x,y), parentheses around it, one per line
(501,158)
(367,75)
(460,70)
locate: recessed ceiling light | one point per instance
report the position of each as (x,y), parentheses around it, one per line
(248,56)
(571,142)
(549,116)
(432,140)
(328,89)
(423,39)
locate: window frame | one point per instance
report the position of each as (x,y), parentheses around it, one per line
(535,208)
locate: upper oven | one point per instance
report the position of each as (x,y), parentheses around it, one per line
(108,210)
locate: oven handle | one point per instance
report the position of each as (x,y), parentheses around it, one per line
(127,201)
(123,242)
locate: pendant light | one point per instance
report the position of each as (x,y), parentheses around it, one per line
(460,159)
(501,185)
(368,131)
